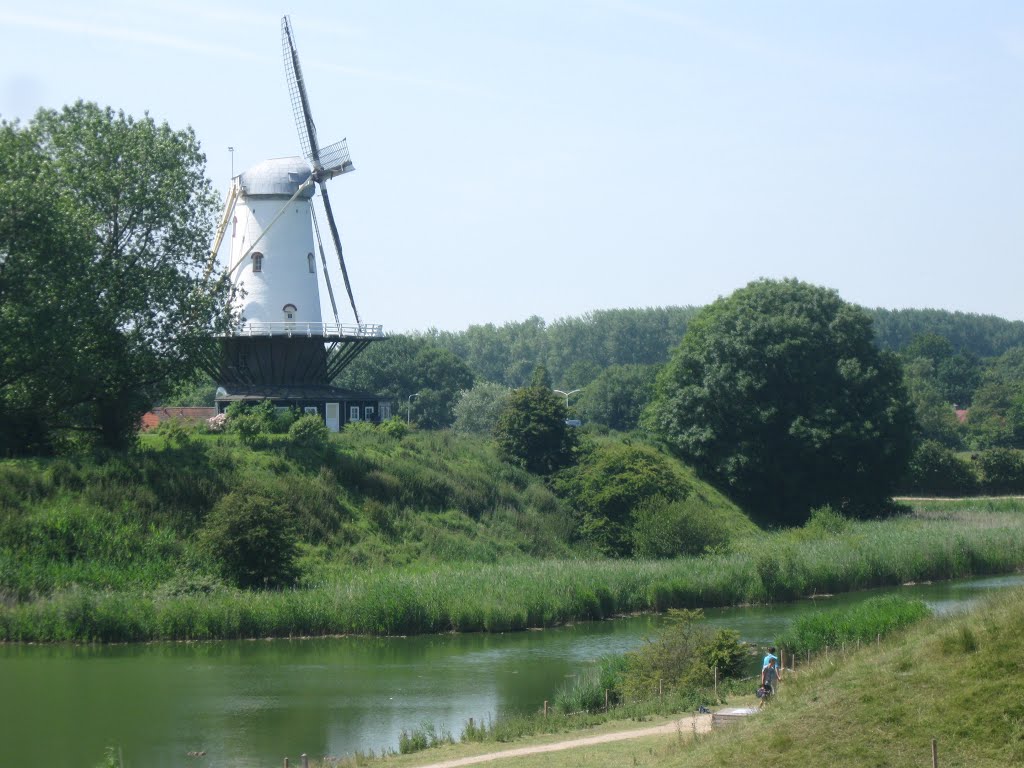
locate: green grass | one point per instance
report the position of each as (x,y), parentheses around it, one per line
(470,597)
(428,533)
(863,623)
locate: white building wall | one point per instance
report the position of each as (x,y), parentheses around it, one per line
(285,276)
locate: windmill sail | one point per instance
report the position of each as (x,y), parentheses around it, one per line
(333,161)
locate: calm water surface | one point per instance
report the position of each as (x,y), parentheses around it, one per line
(250,703)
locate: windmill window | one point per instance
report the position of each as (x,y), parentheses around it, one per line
(289,311)
(312,263)
(257,262)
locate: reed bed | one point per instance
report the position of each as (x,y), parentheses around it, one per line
(475,597)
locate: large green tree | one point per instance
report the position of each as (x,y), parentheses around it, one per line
(404,366)
(996,417)
(478,409)
(778,394)
(531,430)
(618,396)
(106,307)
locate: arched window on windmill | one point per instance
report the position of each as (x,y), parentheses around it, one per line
(257,262)
(312,263)
(289,312)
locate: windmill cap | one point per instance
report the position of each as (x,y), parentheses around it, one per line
(279,177)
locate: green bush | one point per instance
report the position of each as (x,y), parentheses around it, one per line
(252,421)
(690,526)
(309,431)
(825,521)
(684,656)
(252,540)
(610,480)
(394,428)
(1002,470)
(177,432)
(936,470)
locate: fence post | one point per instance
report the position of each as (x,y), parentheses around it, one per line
(305,761)
(716,682)
(545,707)
(471,725)
(660,690)
(605,699)
(935,754)
(286,762)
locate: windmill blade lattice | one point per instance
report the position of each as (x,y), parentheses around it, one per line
(333,161)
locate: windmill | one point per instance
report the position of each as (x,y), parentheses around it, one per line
(281,349)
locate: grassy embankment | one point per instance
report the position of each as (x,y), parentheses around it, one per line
(427,533)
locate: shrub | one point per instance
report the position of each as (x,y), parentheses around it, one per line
(610,481)
(251,421)
(176,432)
(825,521)
(684,656)
(252,540)
(935,469)
(690,526)
(309,431)
(1002,470)
(394,428)
(248,427)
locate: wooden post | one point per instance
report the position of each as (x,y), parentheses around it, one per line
(286,762)
(605,699)
(305,761)
(716,682)
(660,690)
(935,754)
(471,725)
(545,707)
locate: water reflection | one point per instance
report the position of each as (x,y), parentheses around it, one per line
(253,702)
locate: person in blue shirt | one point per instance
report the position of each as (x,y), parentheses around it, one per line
(771,655)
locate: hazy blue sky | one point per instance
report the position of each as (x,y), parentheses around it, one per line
(551,158)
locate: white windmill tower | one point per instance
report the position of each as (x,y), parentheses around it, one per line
(282,349)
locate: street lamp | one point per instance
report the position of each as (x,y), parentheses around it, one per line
(573,392)
(408,413)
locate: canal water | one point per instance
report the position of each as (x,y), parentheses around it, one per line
(250,703)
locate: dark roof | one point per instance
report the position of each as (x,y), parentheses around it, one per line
(298,393)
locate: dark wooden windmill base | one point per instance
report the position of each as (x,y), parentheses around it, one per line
(295,372)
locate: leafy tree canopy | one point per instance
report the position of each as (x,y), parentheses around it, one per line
(104,302)
(618,396)
(404,365)
(478,409)
(778,394)
(531,430)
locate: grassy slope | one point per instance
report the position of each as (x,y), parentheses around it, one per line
(369,501)
(956,679)
(429,533)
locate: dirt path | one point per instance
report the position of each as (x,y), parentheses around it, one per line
(688,725)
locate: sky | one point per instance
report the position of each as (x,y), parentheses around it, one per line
(555,158)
